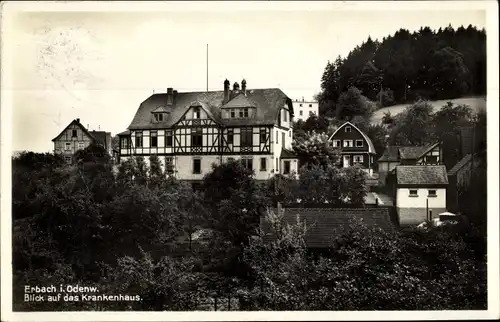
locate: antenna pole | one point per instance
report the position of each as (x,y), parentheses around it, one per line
(207,67)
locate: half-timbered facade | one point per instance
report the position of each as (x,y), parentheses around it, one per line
(355,146)
(191,131)
(76,137)
(408,155)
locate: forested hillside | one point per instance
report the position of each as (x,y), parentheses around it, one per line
(406,66)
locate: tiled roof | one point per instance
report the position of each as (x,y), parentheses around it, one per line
(390,154)
(287,154)
(412,152)
(395,153)
(324,223)
(421,175)
(460,164)
(266,101)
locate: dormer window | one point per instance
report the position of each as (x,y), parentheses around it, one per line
(233,114)
(158,117)
(284,115)
(245,112)
(196,112)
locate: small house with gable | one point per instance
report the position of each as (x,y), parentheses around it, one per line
(420,193)
(355,146)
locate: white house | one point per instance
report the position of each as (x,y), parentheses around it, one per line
(190,131)
(304,108)
(420,192)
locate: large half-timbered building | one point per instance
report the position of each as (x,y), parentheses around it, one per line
(190,131)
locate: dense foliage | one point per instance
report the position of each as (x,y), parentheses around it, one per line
(406,66)
(137,231)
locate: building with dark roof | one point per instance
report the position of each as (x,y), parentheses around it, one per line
(355,146)
(190,131)
(420,192)
(322,224)
(408,155)
(76,137)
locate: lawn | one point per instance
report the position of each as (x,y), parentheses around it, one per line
(475,103)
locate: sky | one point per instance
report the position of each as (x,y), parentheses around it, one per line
(100,65)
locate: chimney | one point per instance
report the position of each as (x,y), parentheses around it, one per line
(302,98)
(244,86)
(175,96)
(78,120)
(226,91)
(236,86)
(170,96)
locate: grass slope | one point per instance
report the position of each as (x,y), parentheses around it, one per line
(475,103)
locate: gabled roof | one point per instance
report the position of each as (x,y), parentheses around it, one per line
(76,122)
(421,175)
(371,147)
(161,109)
(241,100)
(267,102)
(287,154)
(391,153)
(411,152)
(396,153)
(324,223)
(460,164)
(214,115)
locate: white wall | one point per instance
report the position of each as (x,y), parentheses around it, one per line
(305,110)
(403,199)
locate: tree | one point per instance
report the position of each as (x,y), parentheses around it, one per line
(352,103)
(449,73)
(378,135)
(315,149)
(235,201)
(412,126)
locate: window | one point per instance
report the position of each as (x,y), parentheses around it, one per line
(348,129)
(336,143)
(277,165)
(81,146)
(125,142)
(68,159)
(290,133)
(263,164)
(359,143)
(277,140)
(245,112)
(300,113)
(158,117)
(196,137)
(154,139)
(74,133)
(233,113)
(347,143)
(241,113)
(300,105)
(413,193)
(247,163)
(310,105)
(283,138)
(286,170)
(262,135)
(431,159)
(196,112)
(196,166)
(358,159)
(285,112)
(169,164)
(246,137)
(230,136)
(138,139)
(432,193)
(168,139)
(67,146)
